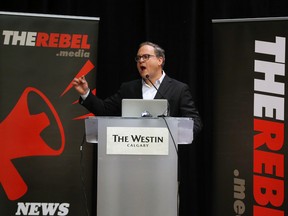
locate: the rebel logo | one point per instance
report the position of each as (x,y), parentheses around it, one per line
(71,45)
(269,127)
(23,134)
(44,39)
(21,137)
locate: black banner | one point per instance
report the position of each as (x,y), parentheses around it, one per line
(42,128)
(250,112)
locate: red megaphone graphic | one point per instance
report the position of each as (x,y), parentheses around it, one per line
(21,137)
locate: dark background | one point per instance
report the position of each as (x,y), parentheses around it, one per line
(183,29)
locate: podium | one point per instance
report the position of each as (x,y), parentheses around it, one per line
(137,163)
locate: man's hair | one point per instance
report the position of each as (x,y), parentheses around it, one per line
(159,51)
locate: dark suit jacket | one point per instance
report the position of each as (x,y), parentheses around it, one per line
(177,93)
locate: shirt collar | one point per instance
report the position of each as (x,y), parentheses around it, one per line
(158,82)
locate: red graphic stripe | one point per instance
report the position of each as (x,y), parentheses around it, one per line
(84,71)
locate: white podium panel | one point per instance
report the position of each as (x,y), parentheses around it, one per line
(137,165)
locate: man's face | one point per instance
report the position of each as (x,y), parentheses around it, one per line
(148,63)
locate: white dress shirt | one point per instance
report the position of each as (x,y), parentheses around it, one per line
(149,92)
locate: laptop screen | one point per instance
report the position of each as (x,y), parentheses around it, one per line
(144,107)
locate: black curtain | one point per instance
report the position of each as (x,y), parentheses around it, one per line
(183,29)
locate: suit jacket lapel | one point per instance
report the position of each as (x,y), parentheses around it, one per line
(163,88)
(138,89)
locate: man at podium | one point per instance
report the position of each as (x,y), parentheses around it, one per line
(153,84)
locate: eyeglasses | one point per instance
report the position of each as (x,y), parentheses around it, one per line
(144,57)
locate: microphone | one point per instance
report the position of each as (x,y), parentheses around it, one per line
(168,105)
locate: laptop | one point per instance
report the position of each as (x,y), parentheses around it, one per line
(144,107)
